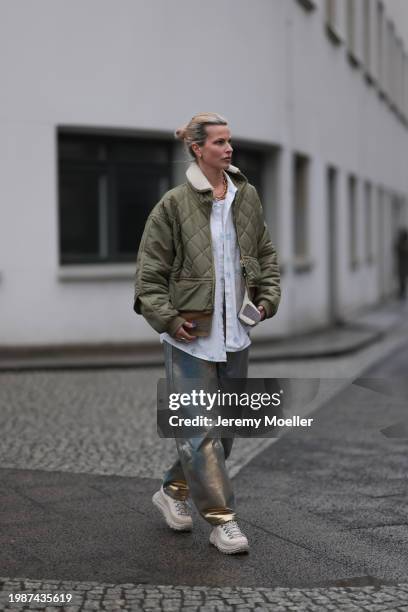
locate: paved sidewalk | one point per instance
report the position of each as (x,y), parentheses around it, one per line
(350,336)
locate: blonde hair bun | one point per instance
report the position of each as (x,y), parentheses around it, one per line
(180,133)
(195,130)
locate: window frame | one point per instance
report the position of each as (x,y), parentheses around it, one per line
(301,180)
(353,224)
(109,168)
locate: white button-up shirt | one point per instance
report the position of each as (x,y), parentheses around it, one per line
(229,282)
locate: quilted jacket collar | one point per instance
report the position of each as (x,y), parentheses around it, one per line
(199,181)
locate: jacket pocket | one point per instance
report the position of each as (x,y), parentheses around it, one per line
(191,294)
(252,270)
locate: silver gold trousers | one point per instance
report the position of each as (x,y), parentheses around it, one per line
(200,469)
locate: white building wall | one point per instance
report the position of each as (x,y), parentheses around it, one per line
(146,68)
(398,12)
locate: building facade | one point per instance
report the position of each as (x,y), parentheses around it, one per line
(316,95)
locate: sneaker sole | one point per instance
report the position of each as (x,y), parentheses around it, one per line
(229,551)
(160,505)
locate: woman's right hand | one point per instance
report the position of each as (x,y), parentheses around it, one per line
(182,333)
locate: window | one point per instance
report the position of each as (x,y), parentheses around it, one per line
(399,75)
(380,240)
(397,203)
(367,33)
(251,162)
(353,233)
(405,86)
(301,205)
(332,184)
(107,187)
(390,61)
(355,30)
(335,18)
(262,167)
(370,39)
(381,38)
(351,25)
(368,223)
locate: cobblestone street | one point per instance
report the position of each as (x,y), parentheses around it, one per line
(152,598)
(326,517)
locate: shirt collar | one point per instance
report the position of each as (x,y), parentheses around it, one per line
(231,187)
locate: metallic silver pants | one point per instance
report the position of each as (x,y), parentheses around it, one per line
(200,469)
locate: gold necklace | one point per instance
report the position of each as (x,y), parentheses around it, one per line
(224,193)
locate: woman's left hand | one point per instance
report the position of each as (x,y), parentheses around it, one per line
(262,311)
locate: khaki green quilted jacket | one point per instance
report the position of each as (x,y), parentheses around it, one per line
(174,267)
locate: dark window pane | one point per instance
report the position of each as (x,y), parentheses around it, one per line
(301,194)
(79,218)
(108,186)
(78,149)
(139,152)
(136,195)
(251,164)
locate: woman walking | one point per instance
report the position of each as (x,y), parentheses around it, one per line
(206,269)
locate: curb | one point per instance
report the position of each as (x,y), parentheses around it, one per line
(326,343)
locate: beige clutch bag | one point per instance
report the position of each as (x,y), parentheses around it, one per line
(202,322)
(249,314)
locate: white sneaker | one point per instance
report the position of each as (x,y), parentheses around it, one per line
(177,513)
(228,538)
